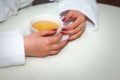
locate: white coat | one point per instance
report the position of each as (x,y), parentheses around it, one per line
(10,40)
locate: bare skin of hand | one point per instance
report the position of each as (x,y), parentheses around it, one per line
(77,28)
(40,44)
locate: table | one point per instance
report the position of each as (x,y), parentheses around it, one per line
(94,56)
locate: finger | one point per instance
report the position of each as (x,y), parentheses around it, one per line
(57,48)
(71,32)
(77,35)
(76,30)
(54,52)
(81,27)
(55,39)
(45,33)
(67,17)
(75,24)
(59,45)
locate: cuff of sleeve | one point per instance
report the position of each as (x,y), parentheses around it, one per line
(91,12)
(11,49)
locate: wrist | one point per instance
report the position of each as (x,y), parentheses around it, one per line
(26,46)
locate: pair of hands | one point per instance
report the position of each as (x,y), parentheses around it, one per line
(42,44)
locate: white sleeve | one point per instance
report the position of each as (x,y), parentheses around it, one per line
(87,7)
(11,43)
(9,7)
(11,49)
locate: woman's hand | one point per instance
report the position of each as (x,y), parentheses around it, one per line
(76,29)
(41,44)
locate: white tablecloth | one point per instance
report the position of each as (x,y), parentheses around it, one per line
(94,56)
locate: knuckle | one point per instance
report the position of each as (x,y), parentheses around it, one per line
(59,37)
(46,49)
(47,41)
(71,32)
(62,44)
(53,52)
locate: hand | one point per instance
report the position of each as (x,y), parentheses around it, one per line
(41,44)
(76,29)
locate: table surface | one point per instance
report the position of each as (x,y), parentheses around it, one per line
(94,56)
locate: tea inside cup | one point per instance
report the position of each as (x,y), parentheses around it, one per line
(46,22)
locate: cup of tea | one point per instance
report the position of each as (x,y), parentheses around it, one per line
(46,22)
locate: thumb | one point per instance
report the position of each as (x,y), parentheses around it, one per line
(45,33)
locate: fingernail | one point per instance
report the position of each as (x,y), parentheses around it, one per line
(68,40)
(64,29)
(54,29)
(62,32)
(64,19)
(54,32)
